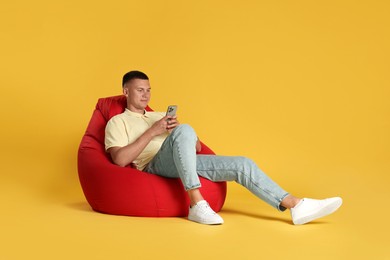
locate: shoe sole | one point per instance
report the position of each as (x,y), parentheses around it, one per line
(327,210)
(206,222)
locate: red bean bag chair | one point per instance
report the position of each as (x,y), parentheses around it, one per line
(117,190)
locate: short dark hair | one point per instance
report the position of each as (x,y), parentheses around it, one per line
(135,74)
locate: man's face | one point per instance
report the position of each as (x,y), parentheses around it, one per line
(137,92)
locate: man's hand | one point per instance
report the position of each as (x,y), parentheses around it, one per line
(167,123)
(172,122)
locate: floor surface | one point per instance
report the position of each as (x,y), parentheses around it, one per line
(49,220)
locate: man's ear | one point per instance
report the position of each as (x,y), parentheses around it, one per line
(125,92)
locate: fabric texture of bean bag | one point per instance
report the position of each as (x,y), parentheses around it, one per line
(112,189)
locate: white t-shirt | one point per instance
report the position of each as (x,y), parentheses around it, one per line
(125,128)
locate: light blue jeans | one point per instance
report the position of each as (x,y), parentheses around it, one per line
(177,158)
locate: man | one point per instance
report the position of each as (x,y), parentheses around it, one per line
(158,144)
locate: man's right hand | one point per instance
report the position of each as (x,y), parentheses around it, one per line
(165,124)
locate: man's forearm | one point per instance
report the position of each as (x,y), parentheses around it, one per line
(125,155)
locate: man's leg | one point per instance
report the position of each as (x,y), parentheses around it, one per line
(177,159)
(245,172)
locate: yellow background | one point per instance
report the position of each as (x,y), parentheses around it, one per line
(301,87)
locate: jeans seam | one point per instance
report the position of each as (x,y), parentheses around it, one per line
(183,169)
(266,191)
(271,194)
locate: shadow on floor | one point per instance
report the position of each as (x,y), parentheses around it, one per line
(264,217)
(81,206)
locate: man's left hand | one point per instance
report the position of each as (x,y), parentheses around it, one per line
(172,122)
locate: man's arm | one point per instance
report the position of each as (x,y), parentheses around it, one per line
(125,155)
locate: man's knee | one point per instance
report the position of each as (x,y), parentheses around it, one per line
(246,163)
(184,130)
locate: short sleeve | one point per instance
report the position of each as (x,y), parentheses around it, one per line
(115,133)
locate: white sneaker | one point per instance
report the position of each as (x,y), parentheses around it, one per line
(202,213)
(309,209)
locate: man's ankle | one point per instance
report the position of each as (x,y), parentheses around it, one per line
(195,196)
(290,201)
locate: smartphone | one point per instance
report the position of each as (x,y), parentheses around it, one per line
(171,111)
